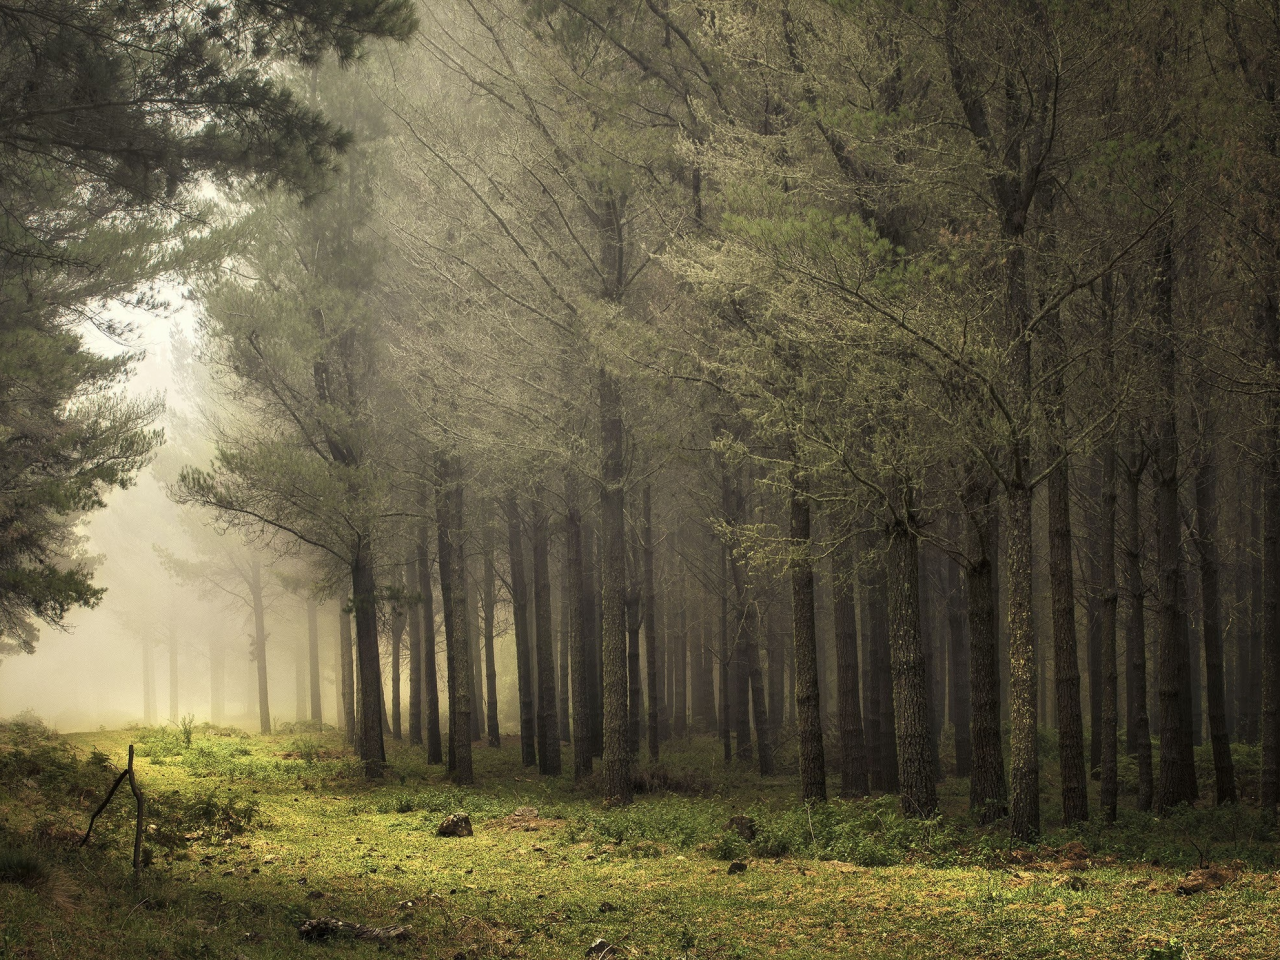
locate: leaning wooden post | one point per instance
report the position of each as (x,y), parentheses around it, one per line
(142,809)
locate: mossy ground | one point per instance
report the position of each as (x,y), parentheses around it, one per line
(254,835)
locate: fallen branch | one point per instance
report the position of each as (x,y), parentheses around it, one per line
(142,811)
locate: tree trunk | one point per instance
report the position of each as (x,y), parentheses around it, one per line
(1024,774)
(520,614)
(853,750)
(1108,598)
(453,597)
(1138,734)
(368,660)
(575,596)
(878,608)
(958,670)
(615,756)
(1211,617)
(488,601)
(414,606)
(755,681)
(1066,652)
(1177,783)
(813,769)
(313,661)
(397,643)
(635,694)
(1269,718)
(346,656)
(917,792)
(726,697)
(988,793)
(562,687)
(650,625)
(260,648)
(430,679)
(547,725)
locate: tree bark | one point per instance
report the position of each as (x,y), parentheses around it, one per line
(453,597)
(1269,714)
(1108,597)
(650,625)
(615,757)
(1211,617)
(547,725)
(346,656)
(313,661)
(988,792)
(397,640)
(414,607)
(575,596)
(813,769)
(1024,774)
(917,791)
(260,648)
(958,670)
(368,661)
(520,615)
(488,601)
(853,750)
(1138,734)
(430,679)
(878,608)
(1066,652)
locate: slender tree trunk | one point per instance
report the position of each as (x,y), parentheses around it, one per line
(592,625)
(635,695)
(1269,719)
(260,648)
(726,697)
(813,768)
(853,751)
(488,601)
(1108,598)
(430,679)
(368,661)
(1177,782)
(346,657)
(461,728)
(414,608)
(1024,774)
(917,792)
(1138,736)
(575,596)
(474,641)
(520,614)
(1207,530)
(547,724)
(774,641)
(562,687)
(679,663)
(878,607)
(988,793)
(616,758)
(313,660)
(650,625)
(397,642)
(755,680)
(1066,653)
(958,670)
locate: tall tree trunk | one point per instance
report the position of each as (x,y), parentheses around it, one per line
(562,687)
(260,648)
(1138,734)
(430,679)
(853,750)
(1207,530)
(579,664)
(1269,714)
(988,793)
(397,642)
(726,696)
(313,660)
(347,677)
(1024,773)
(474,641)
(878,608)
(680,665)
(1066,652)
(635,688)
(453,597)
(368,660)
(616,758)
(414,607)
(1108,599)
(650,624)
(917,792)
(755,681)
(488,601)
(958,669)
(774,642)
(520,615)
(813,767)
(591,623)
(1177,782)
(547,725)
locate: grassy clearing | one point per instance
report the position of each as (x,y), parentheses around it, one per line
(253,835)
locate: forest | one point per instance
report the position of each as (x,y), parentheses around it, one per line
(675,478)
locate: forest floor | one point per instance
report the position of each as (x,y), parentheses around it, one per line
(249,837)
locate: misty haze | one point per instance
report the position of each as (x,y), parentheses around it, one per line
(559,478)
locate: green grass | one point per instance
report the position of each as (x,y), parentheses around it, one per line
(251,835)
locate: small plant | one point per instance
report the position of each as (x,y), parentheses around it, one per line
(187,727)
(1170,951)
(22,868)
